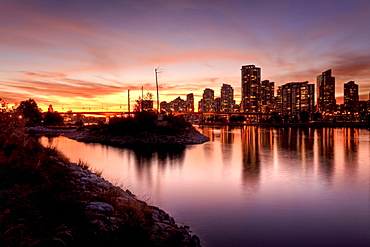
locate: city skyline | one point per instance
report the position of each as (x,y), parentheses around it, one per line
(90,53)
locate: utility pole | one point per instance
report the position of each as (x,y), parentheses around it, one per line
(128,92)
(142,98)
(157,71)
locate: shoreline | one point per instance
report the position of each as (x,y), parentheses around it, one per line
(91,209)
(147,140)
(306,125)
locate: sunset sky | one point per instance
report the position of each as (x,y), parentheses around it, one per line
(88,53)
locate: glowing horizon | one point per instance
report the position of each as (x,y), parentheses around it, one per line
(89,53)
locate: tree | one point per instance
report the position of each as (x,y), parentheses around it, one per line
(317,116)
(30,112)
(53,118)
(304,116)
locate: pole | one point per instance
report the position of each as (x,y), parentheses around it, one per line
(128,92)
(156,83)
(142,98)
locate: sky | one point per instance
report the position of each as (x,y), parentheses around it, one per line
(87,54)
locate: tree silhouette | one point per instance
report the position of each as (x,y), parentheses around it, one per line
(30,112)
(53,118)
(304,116)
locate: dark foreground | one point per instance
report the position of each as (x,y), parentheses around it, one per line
(45,200)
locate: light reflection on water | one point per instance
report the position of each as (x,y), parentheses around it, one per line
(252,186)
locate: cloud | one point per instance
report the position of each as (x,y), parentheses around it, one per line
(44,75)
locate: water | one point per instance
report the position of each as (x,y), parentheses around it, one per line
(252,186)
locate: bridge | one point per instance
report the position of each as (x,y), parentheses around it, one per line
(200,115)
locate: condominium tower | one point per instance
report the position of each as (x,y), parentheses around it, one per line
(325,87)
(227,98)
(351,98)
(296,97)
(206,104)
(251,83)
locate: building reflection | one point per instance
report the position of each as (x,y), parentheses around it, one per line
(325,151)
(227,139)
(250,138)
(351,144)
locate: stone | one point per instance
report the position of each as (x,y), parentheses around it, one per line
(101,207)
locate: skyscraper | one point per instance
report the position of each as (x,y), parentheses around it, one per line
(297,97)
(206,104)
(190,102)
(251,83)
(351,98)
(267,96)
(227,98)
(325,87)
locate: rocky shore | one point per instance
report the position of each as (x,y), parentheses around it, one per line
(46,200)
(108,216)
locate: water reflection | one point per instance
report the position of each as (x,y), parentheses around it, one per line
(351,145)
(227,139)
(250,137)
(312,184)
(325,151)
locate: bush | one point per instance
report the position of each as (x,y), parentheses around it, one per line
(145,122)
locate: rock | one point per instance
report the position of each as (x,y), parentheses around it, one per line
(101,207)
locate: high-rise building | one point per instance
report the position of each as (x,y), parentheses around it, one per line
(217,104)
(178,105)
(227,98)
(251,82)
(190,102)
(351,98)
(267,96)
(325,87)
(165,107)
(206,104)
(297,97)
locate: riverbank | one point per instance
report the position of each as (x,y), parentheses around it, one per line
(46,200)
(147,139)
(305,124)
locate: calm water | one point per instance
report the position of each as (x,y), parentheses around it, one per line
(252,186)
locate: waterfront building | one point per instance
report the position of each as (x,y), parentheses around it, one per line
(206,104)
(250,85)
(278,100)
(325,87)
(218,105)
(165,107)
(297,97)
(178,105)
(190,102)
(351,98)
(267,96)
(227,98)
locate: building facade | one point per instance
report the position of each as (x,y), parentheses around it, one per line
(227,98)
(250,84)
(267,96)
(351,98)
(297,97)
(206,104)
(190,102)
(325,87)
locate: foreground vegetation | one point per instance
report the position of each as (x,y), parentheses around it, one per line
(44,203)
